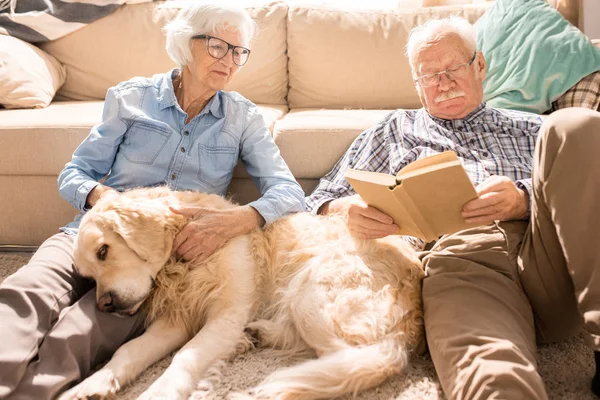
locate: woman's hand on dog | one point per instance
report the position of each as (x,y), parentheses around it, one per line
(97,192)
(363,221)
(209,229)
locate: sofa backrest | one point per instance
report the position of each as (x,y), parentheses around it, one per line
(351,59)
(335,58)
(129,43)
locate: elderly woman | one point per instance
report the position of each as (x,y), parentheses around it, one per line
(177,129)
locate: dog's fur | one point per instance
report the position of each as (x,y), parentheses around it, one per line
(302,283)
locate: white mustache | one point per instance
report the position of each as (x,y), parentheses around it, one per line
(452,94)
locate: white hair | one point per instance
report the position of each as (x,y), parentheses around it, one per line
(436,29)
(199,18)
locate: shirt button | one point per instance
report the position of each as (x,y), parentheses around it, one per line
(186,133)
(182,149)
(472,141)
(173,176)
(485,154)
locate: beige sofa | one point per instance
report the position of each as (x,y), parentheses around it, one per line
(319,75)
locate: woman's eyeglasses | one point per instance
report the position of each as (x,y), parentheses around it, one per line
(218,48)
(454,72)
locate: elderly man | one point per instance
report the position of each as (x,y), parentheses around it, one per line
(529,269)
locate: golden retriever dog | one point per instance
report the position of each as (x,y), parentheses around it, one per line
(303,283)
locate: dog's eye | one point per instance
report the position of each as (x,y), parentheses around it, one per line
(102,252)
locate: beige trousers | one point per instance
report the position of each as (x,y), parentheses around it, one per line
(491,291)
(51,333)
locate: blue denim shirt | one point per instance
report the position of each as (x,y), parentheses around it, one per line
(143,140)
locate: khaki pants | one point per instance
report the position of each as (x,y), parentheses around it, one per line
(490,291)
(51,333)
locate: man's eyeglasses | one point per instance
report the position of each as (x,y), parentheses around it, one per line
(451,73)
(218,48)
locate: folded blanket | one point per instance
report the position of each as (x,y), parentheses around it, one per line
(42,20)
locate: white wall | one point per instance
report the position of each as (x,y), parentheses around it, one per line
(591,18)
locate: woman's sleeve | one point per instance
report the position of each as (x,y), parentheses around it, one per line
(94,157)
(281,194)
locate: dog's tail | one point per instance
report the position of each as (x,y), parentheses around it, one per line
(349,370)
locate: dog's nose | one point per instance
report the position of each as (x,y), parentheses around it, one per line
(105,302)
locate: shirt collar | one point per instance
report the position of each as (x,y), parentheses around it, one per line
(472,116)
(166,96)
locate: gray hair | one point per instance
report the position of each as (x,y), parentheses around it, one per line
(199,18)
(435,29)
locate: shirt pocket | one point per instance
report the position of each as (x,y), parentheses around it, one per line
(216,164)
(143,143)
(515,146)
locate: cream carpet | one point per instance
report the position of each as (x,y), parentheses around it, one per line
(566,367)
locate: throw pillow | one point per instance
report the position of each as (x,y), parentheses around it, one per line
(585,93)
(533,55)
(29,77)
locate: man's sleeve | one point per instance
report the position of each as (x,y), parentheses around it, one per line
(368,152)
(527,186)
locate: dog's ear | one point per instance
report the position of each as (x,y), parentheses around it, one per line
(147,228)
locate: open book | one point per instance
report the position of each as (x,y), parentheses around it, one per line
(425,198)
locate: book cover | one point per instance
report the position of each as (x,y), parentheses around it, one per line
(425,198)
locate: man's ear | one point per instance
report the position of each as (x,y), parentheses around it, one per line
(481,65)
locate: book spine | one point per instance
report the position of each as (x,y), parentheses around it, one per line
(403,197)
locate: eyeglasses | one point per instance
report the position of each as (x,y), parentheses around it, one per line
(218,48)
(451,73)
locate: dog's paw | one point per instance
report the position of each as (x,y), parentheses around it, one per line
(240,396)
(102,385)
(163,389)
(159,394)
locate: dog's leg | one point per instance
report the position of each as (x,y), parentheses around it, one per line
(216,340)
(279,334)
(129,361)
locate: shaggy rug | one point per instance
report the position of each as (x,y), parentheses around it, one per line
(567,368)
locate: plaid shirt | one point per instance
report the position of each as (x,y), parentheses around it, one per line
(488,141)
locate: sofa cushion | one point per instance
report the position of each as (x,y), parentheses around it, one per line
(29,77)
(40,142)
(312,141)
(359,64)
(130,43)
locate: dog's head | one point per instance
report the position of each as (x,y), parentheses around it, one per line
(122,244)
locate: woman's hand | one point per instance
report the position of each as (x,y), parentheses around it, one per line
(209,229)
(97,192)
(363,221)
(499,200)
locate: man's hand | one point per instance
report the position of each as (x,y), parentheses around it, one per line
(363,221)
(499,200)
(209,229)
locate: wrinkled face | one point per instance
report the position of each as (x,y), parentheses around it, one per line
(211,72)
(122,253)
(450,98)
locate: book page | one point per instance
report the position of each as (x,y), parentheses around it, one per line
(427,169)
(374,177)
(446,156)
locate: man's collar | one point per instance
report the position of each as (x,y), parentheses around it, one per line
(473,115)
(166,96)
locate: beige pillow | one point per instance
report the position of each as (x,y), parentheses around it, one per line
(129,43)
(29,77)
